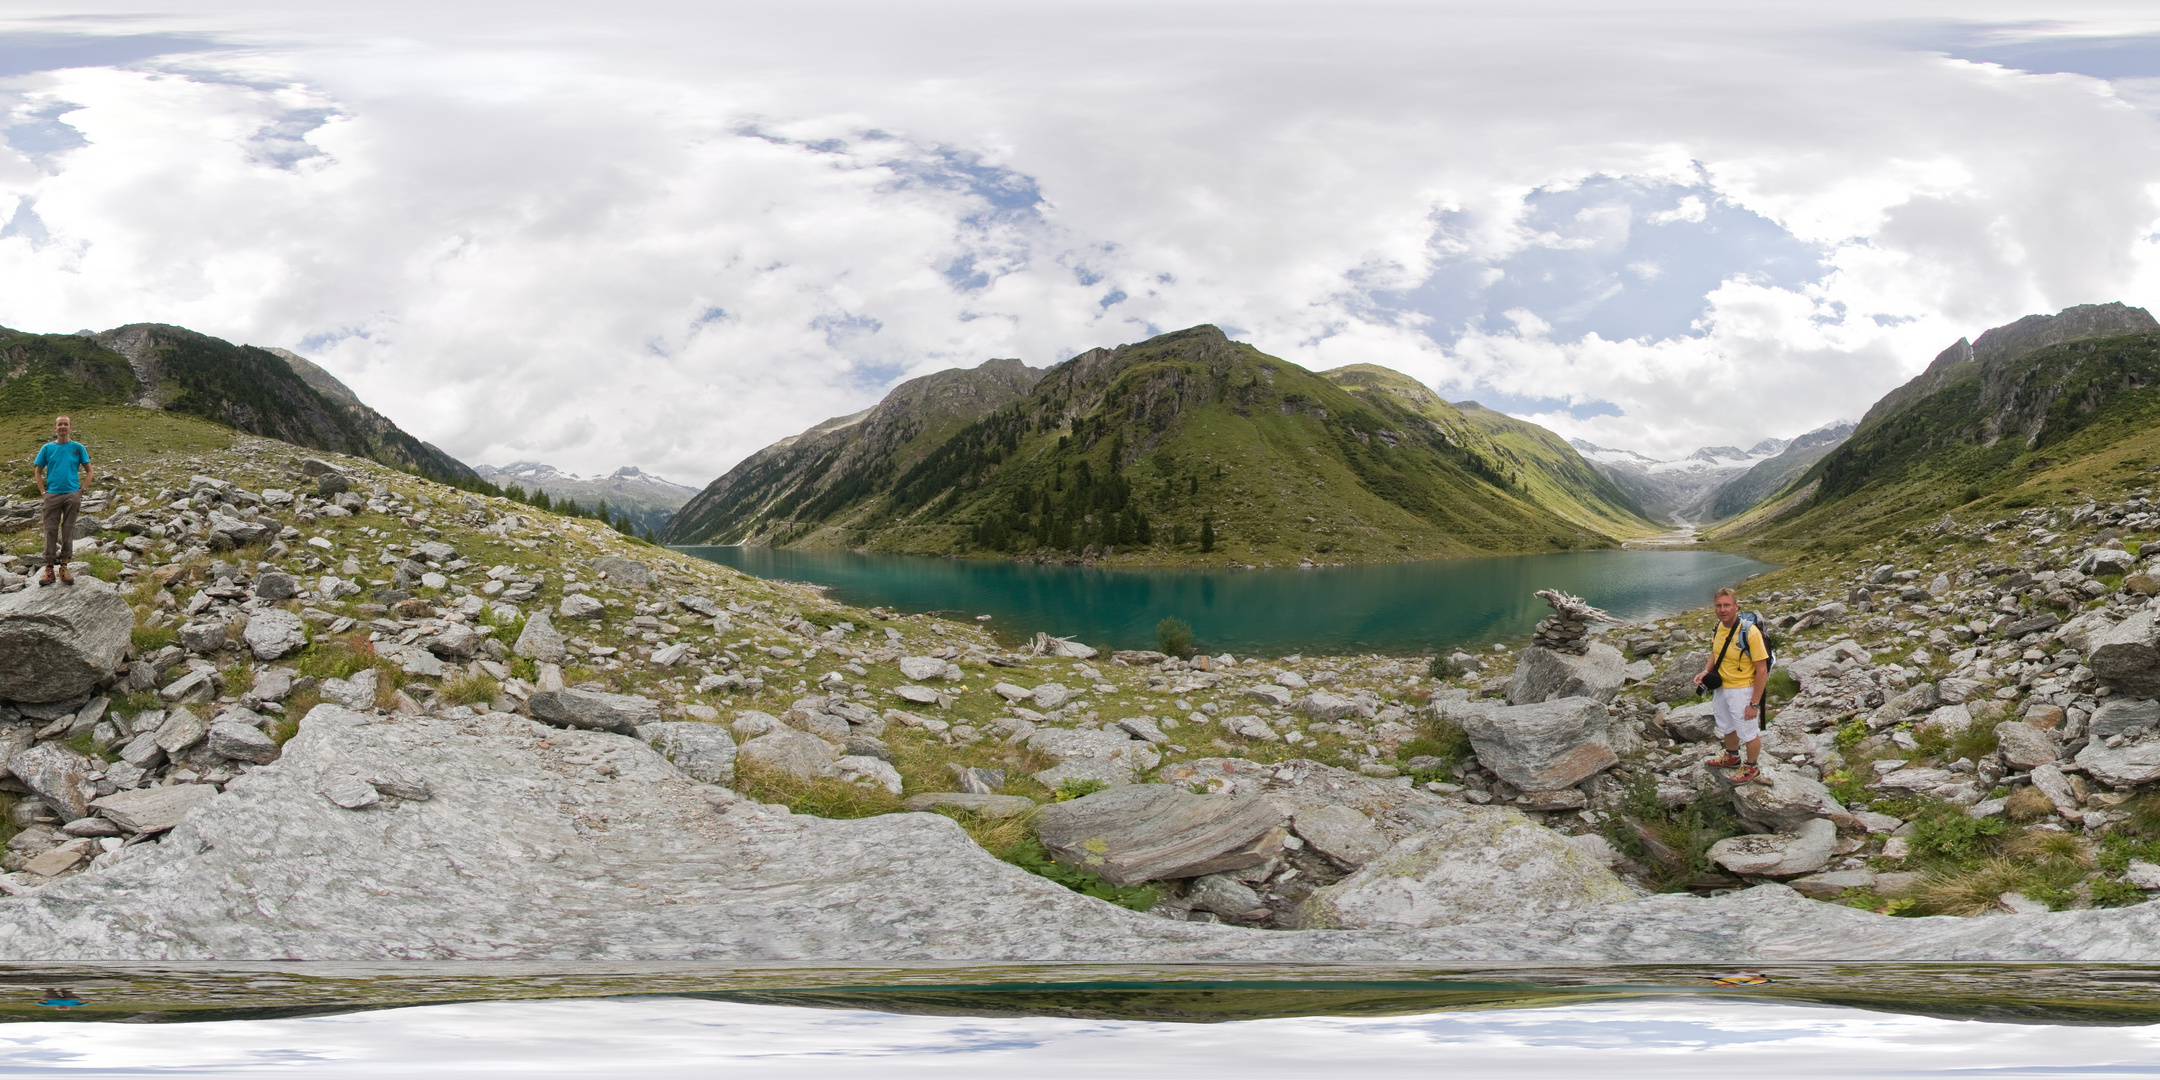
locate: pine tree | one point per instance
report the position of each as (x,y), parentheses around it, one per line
(1207,533)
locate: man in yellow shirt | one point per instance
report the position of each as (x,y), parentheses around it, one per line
(1742,664)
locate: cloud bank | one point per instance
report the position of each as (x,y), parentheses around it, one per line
(672,234)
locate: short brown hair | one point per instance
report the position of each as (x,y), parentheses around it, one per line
(1723,593)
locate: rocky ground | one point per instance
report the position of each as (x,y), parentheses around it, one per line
(515,704)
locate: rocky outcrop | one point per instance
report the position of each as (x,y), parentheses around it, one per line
(1462,873)
(1543,674)
(1150,832)
(61,641)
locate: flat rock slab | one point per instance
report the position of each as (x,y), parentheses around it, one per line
(1783,799)
(1109,755)
(1154,832)
(1347,838)
(512,860)
(61,641)
(1301,786)
(153,809)
(786,750)
(1464,873)
(1805,851)
(1539,747)
(704,751)
(990,806)
(594,710)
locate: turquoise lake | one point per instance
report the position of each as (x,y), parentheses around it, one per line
(1389,608)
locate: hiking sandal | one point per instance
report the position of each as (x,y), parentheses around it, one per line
(1746,774)
(1726,760)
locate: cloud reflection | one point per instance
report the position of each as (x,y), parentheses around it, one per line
(671,1037)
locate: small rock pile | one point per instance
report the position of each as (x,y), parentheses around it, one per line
(1567,628)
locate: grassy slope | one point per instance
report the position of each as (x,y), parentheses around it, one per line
(48,373)
(1284,463)
(2089,409)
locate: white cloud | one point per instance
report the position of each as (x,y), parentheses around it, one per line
(669,236)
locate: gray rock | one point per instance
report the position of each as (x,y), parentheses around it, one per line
(2025,746)
(1226,896)
(628,573)
(181,730)
(1108,756)
(863,769)
(2050,780)
(435,551)
(272,684)
(204,637)
(1151,832)
(1677,681)
(1783,799)
(919,668)
(276,585)
(349,792)
(698,605)
(2124,716)
(1144,729)
(788,751)
(2126,766)
(645,869)
(316,467)
(594,710)
(1829,885)
(2032,624)
(193,687)
(55,774)
(1543,675)
(154,809)
(1464,873)
(989,806)
(702,750)
(1818,667)
(2127,656)
(580,606)
(142,751)
(274,633)
(60,643)
(1541,747)
(1696,722)
(1345,837)
(1325,705)
(455,641)
(332,483)
(1778,854)
(976,781)
(1052,695)
(751,723)
(242,742)
(540,640)
(2102,560)
(91,826)
(357,692)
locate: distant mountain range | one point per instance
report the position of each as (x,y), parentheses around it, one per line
(650,501)
(1147,452)
(1714,482)
(267,392)
(2035,410)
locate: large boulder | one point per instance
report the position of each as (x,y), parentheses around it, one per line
(628,573)
(1694,722)
(1803,851)
(1541,747)
(1783,799)
(2124,716)
(1340,834)
(2104,560)
(61,642)
(2127,656)
(540,640)
(1677,681)
(1542,674)
(274,633)
(705,751)
(1154,832)
(1465,872)
(595,710)
(2128,765)
(2025,746)
(1109,755)
(790,752)
(1825,665)
(55,774)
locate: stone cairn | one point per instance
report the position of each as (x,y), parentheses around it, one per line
(1566,628)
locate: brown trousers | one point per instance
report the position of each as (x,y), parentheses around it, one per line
(60,511)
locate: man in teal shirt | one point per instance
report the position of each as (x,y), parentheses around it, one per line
(63,467)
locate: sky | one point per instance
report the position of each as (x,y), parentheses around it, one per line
(666,234)
(658,1038)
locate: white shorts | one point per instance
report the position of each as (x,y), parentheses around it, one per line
(1730,707)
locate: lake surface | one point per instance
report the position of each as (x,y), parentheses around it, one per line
(959,1022)
(1391,608)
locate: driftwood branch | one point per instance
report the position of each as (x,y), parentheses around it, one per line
(1573,608)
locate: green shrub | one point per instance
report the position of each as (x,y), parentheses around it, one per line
(1954,835)
(1028,855)
(149,639)
(2107,893)
(1077,788)
(1444,667)
(1175,636)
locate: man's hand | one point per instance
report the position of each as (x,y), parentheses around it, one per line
(1700,676)
(1752,710)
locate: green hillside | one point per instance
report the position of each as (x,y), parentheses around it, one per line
(1140,453)
(255,390)
(2006,432)
(1536,462)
